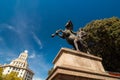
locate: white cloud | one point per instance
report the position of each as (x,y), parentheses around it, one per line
(38,78)
(39,66)
(37,40)
(38,62)
(11,28)
(32,56)
(7,26)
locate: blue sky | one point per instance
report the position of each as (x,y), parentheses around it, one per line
(28,25)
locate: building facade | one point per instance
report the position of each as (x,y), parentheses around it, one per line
(20,66)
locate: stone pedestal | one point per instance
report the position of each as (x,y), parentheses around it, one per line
(73,65)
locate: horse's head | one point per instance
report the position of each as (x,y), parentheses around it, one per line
(69,25)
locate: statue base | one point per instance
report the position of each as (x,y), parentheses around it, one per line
(73,65)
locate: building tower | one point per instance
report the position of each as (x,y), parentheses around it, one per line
(19,65)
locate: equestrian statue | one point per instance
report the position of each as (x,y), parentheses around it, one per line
(73,38)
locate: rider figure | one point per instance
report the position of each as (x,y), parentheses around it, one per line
(79,37)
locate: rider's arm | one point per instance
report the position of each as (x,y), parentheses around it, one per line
(74,32)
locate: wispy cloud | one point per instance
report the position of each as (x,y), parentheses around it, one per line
(37,40)
(7,56)
(42,62)
(39,65)
(32,56)
(11,27)
(21,24)
(7,26)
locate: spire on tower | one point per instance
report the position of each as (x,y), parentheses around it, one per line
(26,51)
(24,55)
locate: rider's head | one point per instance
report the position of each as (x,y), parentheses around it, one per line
(69,25)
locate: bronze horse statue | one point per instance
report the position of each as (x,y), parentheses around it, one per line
(72,37)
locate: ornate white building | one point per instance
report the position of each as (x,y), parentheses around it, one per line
(19,65)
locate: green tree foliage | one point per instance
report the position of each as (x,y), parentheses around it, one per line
(104,40)
(1,70)
(11,76)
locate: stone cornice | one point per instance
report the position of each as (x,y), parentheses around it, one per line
(18,68)
(74,52)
